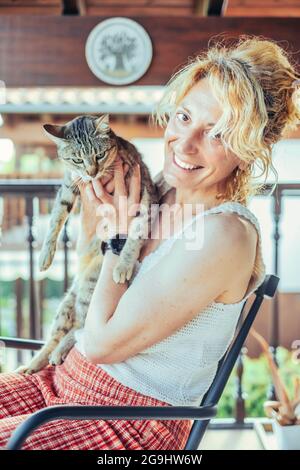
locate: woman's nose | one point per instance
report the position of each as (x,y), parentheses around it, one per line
(188,145)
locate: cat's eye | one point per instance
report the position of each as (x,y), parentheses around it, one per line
(77,160)
(100,155)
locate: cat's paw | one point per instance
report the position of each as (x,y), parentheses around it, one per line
(57,356)
(25,370)
(45,258)
(122,272)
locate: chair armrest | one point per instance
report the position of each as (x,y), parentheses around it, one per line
(84,412)
(20,343)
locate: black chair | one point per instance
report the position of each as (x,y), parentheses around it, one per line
(201,414)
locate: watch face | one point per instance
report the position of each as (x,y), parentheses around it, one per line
(116,244)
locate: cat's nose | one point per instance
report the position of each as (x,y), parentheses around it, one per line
(92,172)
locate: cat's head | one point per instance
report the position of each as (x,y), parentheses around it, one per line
(86,145)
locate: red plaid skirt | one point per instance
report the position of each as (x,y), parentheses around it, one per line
(78,381)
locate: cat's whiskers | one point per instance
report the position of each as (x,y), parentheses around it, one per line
(77,181)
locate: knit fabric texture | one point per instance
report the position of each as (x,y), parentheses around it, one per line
(180,368)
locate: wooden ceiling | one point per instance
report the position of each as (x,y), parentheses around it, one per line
(264,8)
(138,7)
(102,7)
(31,7)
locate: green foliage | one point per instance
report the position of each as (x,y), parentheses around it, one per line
(256,384)
(53,294)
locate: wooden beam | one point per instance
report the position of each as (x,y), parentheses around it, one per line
(136,7)
(201,7)
(81,5)
(31,7)
(258,8)
(50,51)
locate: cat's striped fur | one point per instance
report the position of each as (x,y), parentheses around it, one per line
(88,147)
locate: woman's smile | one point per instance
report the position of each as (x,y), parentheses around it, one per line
(186,167)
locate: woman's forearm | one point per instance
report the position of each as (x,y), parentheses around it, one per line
(104,301)
(107,293)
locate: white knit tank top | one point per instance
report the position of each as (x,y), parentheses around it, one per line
(180,368)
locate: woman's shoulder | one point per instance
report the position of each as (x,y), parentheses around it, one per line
(230,238)
(237,229)
(242,243)
(232,226)
(238,223)
(222,237)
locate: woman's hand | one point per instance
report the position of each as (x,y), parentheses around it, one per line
(117,210)
(88,222)
(108,180)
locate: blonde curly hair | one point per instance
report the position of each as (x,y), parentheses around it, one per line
(256,83)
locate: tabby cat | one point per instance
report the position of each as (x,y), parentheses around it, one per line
(88,147)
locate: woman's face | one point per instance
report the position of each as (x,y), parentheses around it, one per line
(187,142)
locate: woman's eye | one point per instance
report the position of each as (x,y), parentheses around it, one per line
(77,160)
(182,114)
(214,137)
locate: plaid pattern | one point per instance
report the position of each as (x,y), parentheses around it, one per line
(78,381)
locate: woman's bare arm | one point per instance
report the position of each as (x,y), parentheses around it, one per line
(122,324)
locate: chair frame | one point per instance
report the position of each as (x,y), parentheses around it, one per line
(202,414)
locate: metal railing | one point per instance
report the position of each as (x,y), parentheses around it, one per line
(31,189)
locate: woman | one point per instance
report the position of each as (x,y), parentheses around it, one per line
(157,339)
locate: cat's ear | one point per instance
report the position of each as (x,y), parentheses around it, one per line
(55,133)
(102,123)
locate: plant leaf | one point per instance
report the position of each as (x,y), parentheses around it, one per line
(279,386)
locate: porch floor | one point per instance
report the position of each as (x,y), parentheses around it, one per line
(230,439)
(225,434)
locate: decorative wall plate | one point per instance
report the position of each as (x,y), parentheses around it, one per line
(118,51)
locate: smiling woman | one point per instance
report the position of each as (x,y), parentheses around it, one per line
(192,146)
(251,105)
(158,339)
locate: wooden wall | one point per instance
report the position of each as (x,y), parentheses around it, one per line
(50,51)
(289,322)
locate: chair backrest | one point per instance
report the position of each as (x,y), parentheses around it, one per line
(226,364)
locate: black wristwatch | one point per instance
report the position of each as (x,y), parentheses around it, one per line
(114,244)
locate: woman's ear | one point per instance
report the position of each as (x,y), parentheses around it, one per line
(243,165)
